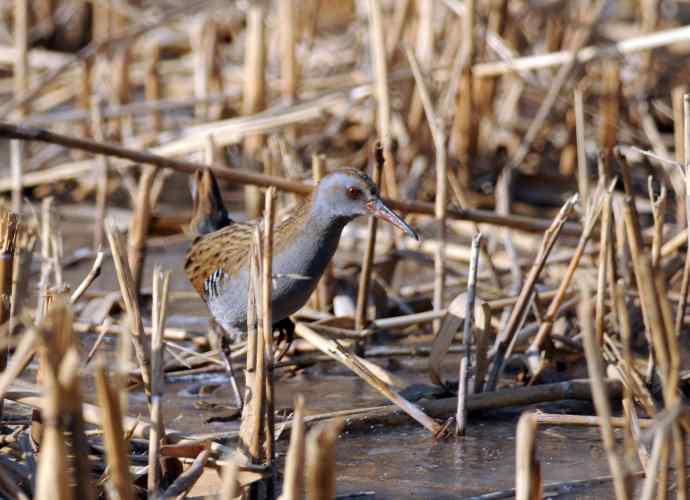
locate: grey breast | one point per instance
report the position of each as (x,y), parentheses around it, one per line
(296,270)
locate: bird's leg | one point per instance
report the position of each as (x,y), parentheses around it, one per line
(286,333)
(224,343)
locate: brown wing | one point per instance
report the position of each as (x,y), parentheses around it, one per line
(226,249)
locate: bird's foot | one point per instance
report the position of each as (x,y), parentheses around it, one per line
(286,335)
(226,354)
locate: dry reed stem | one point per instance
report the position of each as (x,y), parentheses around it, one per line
(23,353)
(267,329)
(21,84)
(686,160)
(630,45)
(113,435)
(466,124)
(139,227)
(254,95)
(580,38)
(88,53)
(320,458)
(8,237)
(463,389)
(188,478)
(129,297)
(231,487)
(383,123)
(518,222)
(293,481)
(599,392)
(546,326)
(585,420)
(650,484)
(650,301)
(322,295)
(93,273)
(424,49)
(528,480)
(368,259)
(56,336)
(102,173)
(289,71)
(69,376)
(605,247)
(632,422)
(161,283)
(436,126)
(582,171)
(504,339)
(658,205)
(259,381)
(354,363)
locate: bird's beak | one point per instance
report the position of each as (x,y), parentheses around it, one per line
(379,209)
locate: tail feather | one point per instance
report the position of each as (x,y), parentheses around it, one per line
(209,213)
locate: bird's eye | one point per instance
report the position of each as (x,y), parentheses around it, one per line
(354,193)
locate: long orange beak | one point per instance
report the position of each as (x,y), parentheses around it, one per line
(379,209)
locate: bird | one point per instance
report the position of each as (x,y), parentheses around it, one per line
(208,209)
(218,261)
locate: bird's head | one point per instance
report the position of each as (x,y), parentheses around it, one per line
(349,193)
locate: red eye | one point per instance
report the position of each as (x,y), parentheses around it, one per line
(353,193)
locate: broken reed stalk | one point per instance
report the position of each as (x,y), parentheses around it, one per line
(368,259)
(267,329)
(504,339)
(461,415)
(293,480)
(117,456)
(139,226)
(528,480)
(320,458)
(188,478)
(437,128)
(129,297)
(57,341)
(354,363)
(599,393)
(94,273)
(534,359)
(161,283)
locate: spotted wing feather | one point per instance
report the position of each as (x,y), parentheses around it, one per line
(215,257)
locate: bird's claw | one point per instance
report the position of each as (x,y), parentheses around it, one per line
(286,334)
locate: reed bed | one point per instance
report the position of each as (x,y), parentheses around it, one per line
(541,148)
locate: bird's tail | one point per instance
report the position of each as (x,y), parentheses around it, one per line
(209,213)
